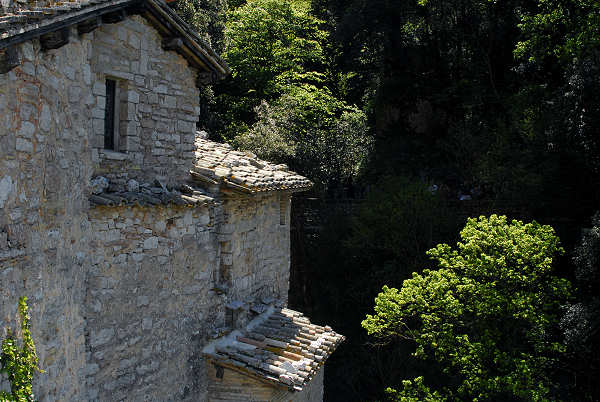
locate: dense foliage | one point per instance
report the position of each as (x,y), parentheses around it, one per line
(19,363)
(410,117)
(277,103)
(486,315)
(580,322)
(313,132)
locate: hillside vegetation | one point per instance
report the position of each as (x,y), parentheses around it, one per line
(410,117)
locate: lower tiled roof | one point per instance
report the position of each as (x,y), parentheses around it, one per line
(281,346)
(219,163)
(149,196)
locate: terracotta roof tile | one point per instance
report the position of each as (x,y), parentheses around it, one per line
(281,346)
(220,164)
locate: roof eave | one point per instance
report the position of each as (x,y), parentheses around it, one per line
(178,35)
(226,186)
(248,372)
(193,47)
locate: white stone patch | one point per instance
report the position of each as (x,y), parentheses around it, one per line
(133,186)
(24,145)
(151,242)
(99,184)
(289,367)
(45,118)
(6,188)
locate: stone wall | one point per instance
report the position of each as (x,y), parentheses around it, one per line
(149,300)
(255,250)
(51,107)
(151,297)
(123,298)
(158,102)
(44,229)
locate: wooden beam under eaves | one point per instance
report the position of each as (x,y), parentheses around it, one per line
(55,39)
(172,43)
(9,59)
(114,17)
(206,78)
(88,25)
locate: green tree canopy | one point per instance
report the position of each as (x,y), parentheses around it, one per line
(312,131)
(271,44)
(486,316)
(559,29)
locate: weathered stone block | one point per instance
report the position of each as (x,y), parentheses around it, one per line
(99,88)
(133,96)
(27,130)
(24,145)
(151,243)
(101,337)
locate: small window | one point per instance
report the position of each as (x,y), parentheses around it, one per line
(282,209)
(112,113)
(110,116)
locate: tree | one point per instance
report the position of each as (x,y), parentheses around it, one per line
(559,51)
(580,322)
(207,17)
(269,46)
(272,44)
(312,131)
(559,29)
(486,316)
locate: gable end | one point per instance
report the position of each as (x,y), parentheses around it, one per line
(49,24)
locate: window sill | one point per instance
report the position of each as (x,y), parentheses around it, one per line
(113,155)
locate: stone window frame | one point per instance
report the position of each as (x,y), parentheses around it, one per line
(111,115)
(120,101)
(283,205)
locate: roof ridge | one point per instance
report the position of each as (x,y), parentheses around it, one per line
(35,19)
(219,163)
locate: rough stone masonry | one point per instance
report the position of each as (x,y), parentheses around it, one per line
(127,260)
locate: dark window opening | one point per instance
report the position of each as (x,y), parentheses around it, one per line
(282,209)
(109,115)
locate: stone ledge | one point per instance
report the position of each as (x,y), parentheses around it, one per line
(113,155)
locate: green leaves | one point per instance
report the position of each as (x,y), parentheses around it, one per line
(559,29)
(315,133)
(276,103)
(485,316)
(270,44)
(19,363)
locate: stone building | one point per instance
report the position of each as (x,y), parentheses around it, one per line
(156,262)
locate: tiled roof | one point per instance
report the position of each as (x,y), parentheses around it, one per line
(220,164)
(280,346)
(150,196)
(21,16)
(23,20)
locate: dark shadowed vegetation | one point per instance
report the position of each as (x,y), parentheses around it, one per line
(411,116)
